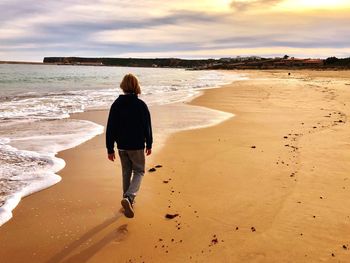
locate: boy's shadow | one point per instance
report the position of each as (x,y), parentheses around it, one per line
(117,234)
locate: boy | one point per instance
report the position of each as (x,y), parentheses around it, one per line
(129,125)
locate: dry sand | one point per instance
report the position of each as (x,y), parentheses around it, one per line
(271,184)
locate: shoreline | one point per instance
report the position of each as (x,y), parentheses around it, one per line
(178,106)
(235,202)
(222,68)
(181,107)
(47,176)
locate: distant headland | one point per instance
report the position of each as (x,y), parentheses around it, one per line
(251,62)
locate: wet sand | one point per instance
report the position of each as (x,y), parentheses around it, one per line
(271,184)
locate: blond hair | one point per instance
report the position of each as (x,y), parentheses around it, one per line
(130,84)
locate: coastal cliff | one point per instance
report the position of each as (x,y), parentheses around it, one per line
(197,64)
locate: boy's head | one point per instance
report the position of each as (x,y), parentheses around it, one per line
(130,84)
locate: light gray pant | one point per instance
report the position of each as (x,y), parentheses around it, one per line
(133,169)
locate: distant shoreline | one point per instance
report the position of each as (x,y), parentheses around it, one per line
(22,62)
(237,63)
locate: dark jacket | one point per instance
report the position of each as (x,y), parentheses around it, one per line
(129,124)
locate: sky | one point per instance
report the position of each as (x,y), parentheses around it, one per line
(33,29)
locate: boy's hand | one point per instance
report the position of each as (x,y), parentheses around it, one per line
(111,156)
(148,151)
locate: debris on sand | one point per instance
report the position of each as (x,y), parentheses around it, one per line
(171,216)
(214,241)
(253,229)
(153,169)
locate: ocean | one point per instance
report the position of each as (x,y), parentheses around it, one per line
(37,100)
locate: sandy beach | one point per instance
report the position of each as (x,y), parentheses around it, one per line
(271,184)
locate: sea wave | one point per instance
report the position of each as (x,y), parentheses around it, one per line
(28,163)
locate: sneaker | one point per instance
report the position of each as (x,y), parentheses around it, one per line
(128,210)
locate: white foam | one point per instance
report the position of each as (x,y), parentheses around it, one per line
(34,186)
(177,117)
(24,172)
(55,136)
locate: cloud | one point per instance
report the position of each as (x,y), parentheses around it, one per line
(242,5)
(118,28)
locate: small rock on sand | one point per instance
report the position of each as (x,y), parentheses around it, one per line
(171,216)
(158,166)
(152,170)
